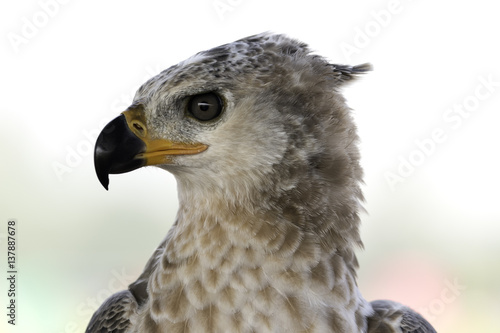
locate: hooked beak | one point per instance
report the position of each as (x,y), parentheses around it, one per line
(125,145)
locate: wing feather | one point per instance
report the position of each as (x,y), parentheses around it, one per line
(392,317)
(113,316)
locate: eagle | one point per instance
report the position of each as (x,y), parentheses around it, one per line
(265,154)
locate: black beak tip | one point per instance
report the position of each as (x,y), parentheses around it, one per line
(101,170)
(104,180)
(115,150)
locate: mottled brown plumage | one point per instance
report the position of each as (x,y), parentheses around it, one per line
(264,151)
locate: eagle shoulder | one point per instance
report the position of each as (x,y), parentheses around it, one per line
(113,316)
(392,317)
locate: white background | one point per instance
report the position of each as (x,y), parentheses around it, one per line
(67,67)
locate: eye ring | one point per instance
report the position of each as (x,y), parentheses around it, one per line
(205,107)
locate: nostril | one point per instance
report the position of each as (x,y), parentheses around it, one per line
(139,128)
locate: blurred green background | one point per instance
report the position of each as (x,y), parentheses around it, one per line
(431,238)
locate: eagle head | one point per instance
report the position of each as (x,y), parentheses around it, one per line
(257,122)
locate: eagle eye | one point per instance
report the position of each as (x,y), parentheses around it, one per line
(205,106)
